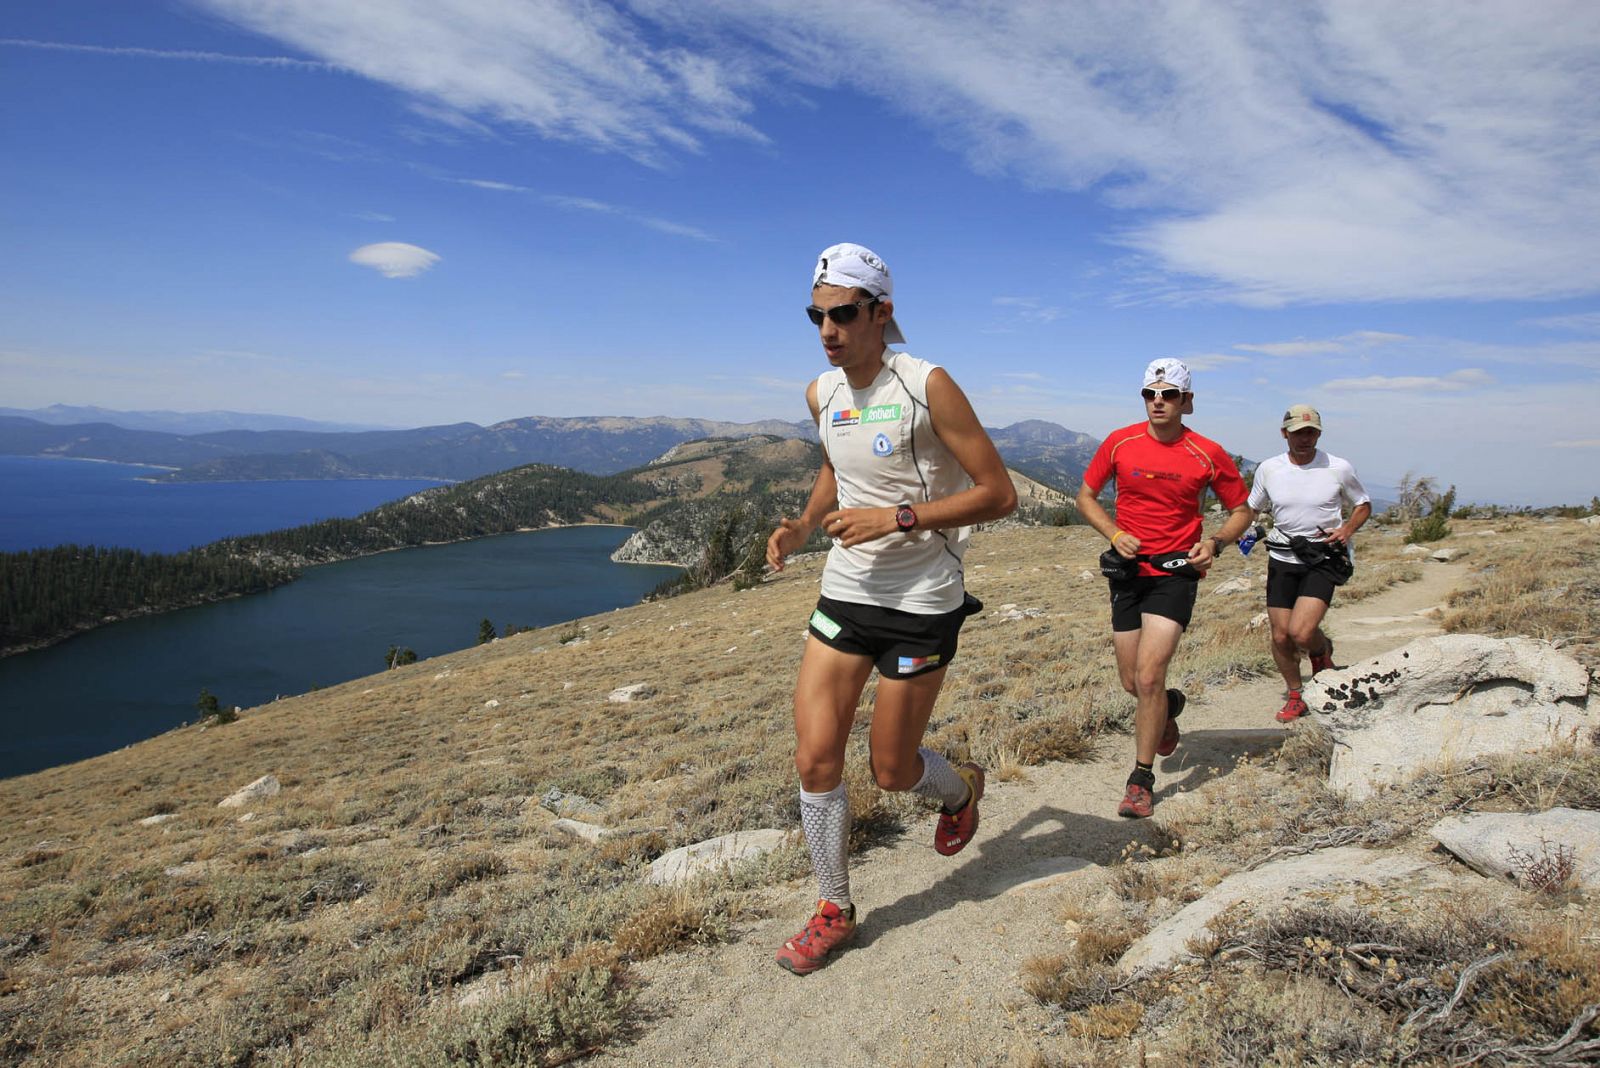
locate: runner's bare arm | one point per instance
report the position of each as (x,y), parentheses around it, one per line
(1346,530)
(792,533)
(1094,513)
(1205,550)
(991,496)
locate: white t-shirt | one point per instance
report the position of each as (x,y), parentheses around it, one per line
(884,452)
(1304,499)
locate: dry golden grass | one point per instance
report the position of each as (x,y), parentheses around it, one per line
(408,857)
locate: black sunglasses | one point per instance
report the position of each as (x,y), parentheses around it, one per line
(839,313)
(1168,395)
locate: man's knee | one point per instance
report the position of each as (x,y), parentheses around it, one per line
(1284,642)
(1149,680)
(817,765)
(895,771)
(1304,638)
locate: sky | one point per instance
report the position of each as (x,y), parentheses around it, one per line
(416,212)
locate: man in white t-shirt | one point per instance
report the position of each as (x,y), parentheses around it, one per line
(1304,489)
(906,470)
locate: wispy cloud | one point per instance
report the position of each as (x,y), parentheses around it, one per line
(1259,152)
(395,259)
(1029,309)
(372,216)
(1585,323)
(589,204)
(566,69)
(187,55)
(1455,382)
(1210,361)
(1324,346)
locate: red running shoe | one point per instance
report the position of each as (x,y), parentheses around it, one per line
(828,930)
(1325,661)
(1139,800)
(955,829)
(1169,736)
(1293,708)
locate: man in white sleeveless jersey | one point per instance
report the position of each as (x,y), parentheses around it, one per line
(1304,488)
(906,470)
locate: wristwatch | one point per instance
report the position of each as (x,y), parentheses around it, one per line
(905,517)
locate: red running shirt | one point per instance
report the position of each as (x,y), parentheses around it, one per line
(1159,485)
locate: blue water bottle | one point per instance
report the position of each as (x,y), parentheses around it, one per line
(1251,536)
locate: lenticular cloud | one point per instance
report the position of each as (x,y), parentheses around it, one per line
(395,259)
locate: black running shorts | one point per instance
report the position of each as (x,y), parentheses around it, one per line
(1171,596)
(901,644)
(1287,583)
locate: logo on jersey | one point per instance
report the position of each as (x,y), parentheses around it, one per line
(1173,565)
(882,446)
(824,626)
(1170,476)
(877,413)
(910,664)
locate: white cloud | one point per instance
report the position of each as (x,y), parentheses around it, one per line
(1261,152)
(1210,361)
(1029,309)
(372,216)
(1323,346)
(567,69)
(1454,382)
(187,55)
(395,259)
(1584,323)
(599,207)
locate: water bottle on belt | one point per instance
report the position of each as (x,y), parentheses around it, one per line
(1251,536)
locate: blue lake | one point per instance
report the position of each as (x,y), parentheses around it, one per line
(83,502)
(130,680)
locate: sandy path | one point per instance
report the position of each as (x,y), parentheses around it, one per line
(932,979)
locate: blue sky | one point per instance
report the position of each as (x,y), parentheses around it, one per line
(406,212)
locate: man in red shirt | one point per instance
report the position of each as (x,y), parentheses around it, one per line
(1162,470)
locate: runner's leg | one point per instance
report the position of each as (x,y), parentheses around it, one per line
(1285,653)
(1305,625)
(899,718)
(825,698)
(1157,642)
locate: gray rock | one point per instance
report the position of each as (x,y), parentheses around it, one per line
(1237,584)
(1442,701)
(589,832)
(690,861)
(1414,550)
(1508,845)
(1276,886)
(1590,520)
(572,806)
(157,819)
(1444,556)
(266,786)
(638,691)
(1257,621)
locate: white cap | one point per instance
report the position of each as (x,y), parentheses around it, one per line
(1170,371)
(858,267)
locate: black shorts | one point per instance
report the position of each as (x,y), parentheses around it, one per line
(900,644)
(1171,596)
(1287,583)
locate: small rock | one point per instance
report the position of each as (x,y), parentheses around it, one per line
(589,832)
(158,818)
(638,691)
(1237,584)
(1414,550)
(689,861)
(1444,556)
(266,786)
(492,703)
(1257,621)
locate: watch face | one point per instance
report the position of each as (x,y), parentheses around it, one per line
(905,519)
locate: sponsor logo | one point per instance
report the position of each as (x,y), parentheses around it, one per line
(881,413)
(1173,565)
(918,663)
(882,446)
(1169,476)
(825,626)
(847,417)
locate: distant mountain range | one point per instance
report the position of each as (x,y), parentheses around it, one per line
(175,422)
(600,445)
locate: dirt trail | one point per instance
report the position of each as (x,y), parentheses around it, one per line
(932,979)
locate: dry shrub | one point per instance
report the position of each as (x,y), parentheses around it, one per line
(625,850)
(444,875)
(1104,943)
(665,924)
(1117,1020)
(1308,750)
(1069,983)
(1563,777)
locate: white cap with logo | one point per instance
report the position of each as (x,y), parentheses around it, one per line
(1169,371)
(858,267)
(1300,416)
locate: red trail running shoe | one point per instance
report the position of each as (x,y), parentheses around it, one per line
(1139,800)
(955,829)
(1293,708)
(828,930)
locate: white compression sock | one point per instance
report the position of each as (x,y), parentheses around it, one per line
(826,820)
(940,782)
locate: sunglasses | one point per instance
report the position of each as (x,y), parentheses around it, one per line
(839,313)
(1171,396)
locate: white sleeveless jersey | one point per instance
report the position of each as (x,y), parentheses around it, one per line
(884,452)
